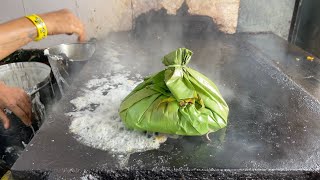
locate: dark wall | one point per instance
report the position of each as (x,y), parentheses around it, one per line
(306,33)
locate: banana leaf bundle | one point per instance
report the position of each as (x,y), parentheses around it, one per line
(177,100)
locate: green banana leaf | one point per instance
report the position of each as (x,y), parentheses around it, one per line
(177,100)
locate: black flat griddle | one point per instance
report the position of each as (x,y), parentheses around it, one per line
(274,121)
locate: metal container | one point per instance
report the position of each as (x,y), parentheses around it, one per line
(30,76)
(67,60)
(35,79)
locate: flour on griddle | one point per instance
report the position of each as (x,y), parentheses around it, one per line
(95,120)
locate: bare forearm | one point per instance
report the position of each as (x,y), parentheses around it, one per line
(15,34)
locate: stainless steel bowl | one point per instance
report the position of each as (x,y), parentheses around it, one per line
(73,51)
(67,60)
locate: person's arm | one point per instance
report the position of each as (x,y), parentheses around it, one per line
(17,33)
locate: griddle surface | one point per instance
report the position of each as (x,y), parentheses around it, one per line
(273,128)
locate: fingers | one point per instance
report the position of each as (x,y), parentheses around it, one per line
(81,36)
(21,114)
(64,22)
(18,102)
(25,104)
(5,120)
(26,108)
(20,105)
(79,29)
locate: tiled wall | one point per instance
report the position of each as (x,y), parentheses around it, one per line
(266,15)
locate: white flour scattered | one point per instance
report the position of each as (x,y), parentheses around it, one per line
(89,177)
(96,121)
(95,82)
(9,149)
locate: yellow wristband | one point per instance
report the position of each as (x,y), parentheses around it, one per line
(41,26)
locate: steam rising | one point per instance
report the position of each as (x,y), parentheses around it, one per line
(258,127)
(96,121)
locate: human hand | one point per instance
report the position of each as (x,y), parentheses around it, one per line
(17,101)
(64,22)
